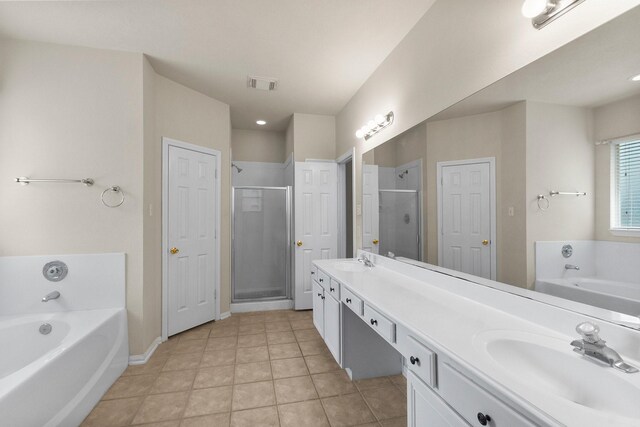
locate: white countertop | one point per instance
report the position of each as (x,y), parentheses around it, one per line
(451,321)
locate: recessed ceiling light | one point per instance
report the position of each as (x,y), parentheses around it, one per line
(261,122)
(635,78)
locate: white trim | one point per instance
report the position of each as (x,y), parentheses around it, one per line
(342,238)
(245,307)
(141,359)
(620,139)
(492,205)
(225,315)
(166,142)
(622,232)
(320,160)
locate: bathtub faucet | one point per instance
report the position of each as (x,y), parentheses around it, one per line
(591,345)
(571,267)
(50,296)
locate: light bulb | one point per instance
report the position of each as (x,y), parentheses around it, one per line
(359,133)
(635,78)
(261,122)
(371,124)
(379,118)
(364,129)
(533,8)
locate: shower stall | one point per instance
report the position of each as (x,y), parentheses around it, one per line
(261,261)
(399,219)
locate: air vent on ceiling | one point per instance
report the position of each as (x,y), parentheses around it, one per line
(262,83)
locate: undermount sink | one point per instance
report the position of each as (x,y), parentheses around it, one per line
(550,365)
(350,266)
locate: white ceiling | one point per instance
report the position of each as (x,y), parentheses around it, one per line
(321,51)
(591,71)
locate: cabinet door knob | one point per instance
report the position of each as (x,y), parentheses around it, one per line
(321,280)
(483,419)
(374,322)
(348,300)
(313,272)
(319,295)
(332,289)
(414,361)
(322,297)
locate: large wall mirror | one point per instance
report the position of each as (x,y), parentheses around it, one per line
(533,181)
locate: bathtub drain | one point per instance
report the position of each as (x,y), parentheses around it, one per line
(45,329)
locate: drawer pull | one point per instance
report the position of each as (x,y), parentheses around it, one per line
(313,272)
(319,295)
(332,289)
(321,280)
(374,322)
(483,419)
(348,300)
(416,361)
(322,297)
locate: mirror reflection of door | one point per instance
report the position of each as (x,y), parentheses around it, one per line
(370,210)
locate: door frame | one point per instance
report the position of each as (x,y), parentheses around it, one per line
(492,204)
(342,214)
(166,143)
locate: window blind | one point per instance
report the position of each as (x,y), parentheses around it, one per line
(627,184)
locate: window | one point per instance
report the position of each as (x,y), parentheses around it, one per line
(626,185)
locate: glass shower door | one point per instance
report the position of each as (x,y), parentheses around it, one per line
(261,243)
(400,223)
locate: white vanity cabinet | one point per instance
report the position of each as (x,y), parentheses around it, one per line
(426,408)
(326,311)
(318,307)
(332,326)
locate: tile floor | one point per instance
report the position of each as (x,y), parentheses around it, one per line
(252,369)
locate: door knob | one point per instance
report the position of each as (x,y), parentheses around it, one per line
(485,242)
(299,243)
(174,251)
(376,241)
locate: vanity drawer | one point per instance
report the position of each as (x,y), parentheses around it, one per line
(473,402)
(353,302)
(421,361)
(334,289)
(383,326)
(323,279)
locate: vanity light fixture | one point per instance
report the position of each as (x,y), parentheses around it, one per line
(543,12)
(261,122)
(374,126)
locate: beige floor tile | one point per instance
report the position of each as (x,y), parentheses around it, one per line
(300,315)
(251,328)
(200,333)
(167,346)
(154,365)
(246,320)
(309,348)
(321,363)
(161,407)
(371,424)
(172,423)
(278,316)
(218,358)
(296,389)
(223,331)
(333,384)
(373,383)
(386,402)
(214,377)
(252,354)
(306,414)
(113,413)
(258,417)
(215,420)
(190,346)
(222,343)
(277,326)
(254,340)
(179,362)
(399,381)
(172,381)
(130,386)
(285,368)
(253,395)
(209,401)
(282,337)
(284,351)
(395,422)
(307,334)
(252,372)
(302,324)
(347,410)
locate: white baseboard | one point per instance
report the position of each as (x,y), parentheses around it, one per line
(244,307)
(141,359)
(225,315)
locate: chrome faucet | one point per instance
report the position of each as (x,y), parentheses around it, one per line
(366,261)
(571,267)
(50,296)
(591,345)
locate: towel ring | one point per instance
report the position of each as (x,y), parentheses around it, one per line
(115,189)
(541,205)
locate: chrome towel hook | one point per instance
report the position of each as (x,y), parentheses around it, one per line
(541,202)
(115,189)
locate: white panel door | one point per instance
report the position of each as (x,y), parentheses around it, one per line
(332,326)
(466,218)
(370,208)
(316,223)
(191,239)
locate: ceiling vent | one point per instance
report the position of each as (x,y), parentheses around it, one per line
(262,83)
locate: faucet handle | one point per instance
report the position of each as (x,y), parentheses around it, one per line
(589,332)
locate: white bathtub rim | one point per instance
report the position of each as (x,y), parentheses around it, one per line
(569,283)
(141,359)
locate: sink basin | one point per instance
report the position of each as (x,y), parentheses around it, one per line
(351,266)
(549,364)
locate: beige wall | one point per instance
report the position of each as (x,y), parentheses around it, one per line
(70,112)
(314,137)
(611,121)
(258,146)
(560,157)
